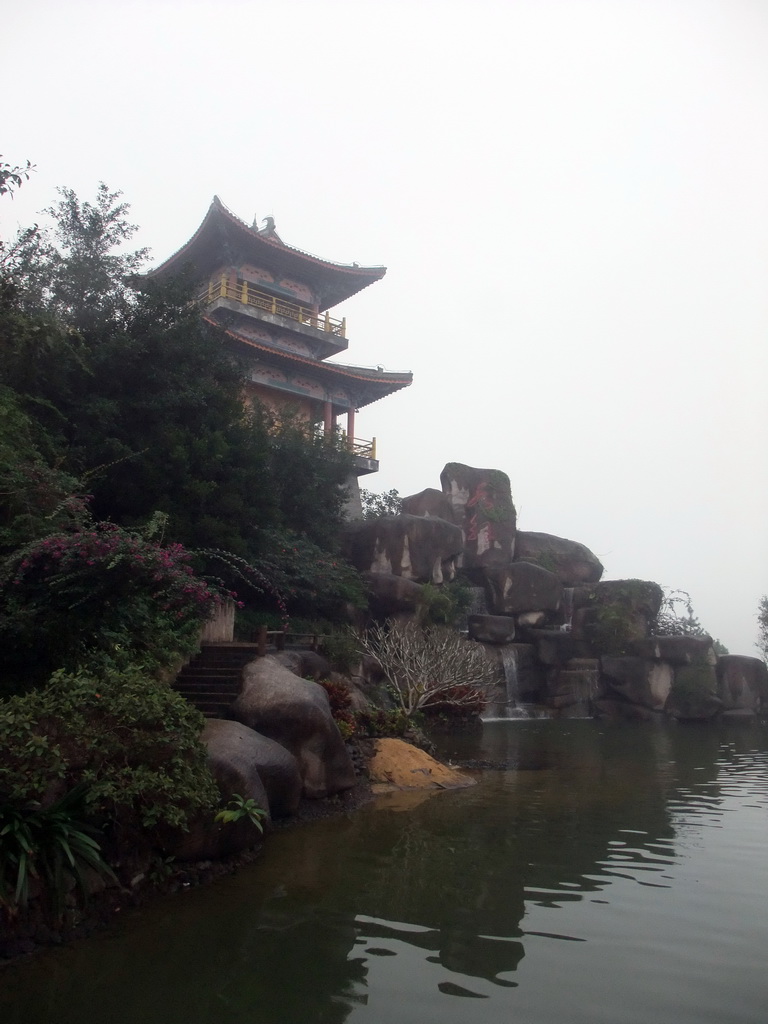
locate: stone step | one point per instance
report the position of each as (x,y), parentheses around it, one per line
(203,685)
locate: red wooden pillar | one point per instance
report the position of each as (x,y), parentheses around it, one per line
(328,418)
(350,427)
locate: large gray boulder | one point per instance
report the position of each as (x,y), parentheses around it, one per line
(482,506)
(234,753)
(615,615)
(296,714)
(232,743)
(742,683)
(491,629)
(392,596)
(639,680)
(677,650)
(429,502)
(423,549)
(521,587)
(572,689)
(571,562)
(693,696)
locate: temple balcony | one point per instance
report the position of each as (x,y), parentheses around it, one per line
(244,298)
(364,455)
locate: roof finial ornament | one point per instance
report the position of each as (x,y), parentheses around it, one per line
(269,227)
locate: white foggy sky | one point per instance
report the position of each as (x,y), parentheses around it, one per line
(571,198)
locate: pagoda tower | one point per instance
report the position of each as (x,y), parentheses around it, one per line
(274,303)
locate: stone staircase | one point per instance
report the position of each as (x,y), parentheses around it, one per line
(211,680)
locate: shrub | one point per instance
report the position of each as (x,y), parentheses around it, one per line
(342,649)
(377,722)
(431,667)
(133,741)
(52,846)
(340,700)
(100,595)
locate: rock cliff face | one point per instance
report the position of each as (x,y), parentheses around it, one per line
(587,645)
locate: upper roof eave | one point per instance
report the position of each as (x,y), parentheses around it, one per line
(220,226)
(381,382)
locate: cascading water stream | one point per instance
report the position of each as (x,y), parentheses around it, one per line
(508,707)
(567,606)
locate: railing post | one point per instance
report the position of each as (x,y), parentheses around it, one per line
(281,641)
(373,448)
(223,286)
(245,293)
(343,327)
(210,292)
(261,640)
(327,322)
(274,304)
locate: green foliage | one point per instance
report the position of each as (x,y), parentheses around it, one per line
(132,741)
(242,809)
(443,605)
(676,616)
(313,581)
(340,700)
(51,845)
(621,612)
(375,505)
(12,176)
(101,595)
(342,650)
(74,268)
(36,498)
(377,722)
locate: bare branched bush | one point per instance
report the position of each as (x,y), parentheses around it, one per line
(431,667)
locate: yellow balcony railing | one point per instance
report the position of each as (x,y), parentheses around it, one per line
(242,291)
(365,449)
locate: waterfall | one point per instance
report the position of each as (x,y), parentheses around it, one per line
(567,607)
(508,706)
(509,668)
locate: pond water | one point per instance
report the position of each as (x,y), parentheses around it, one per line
(611,874)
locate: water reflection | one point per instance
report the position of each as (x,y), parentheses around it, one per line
(571,862)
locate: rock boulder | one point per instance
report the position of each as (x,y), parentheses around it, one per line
(521,587)
(482,506)
(571,562)
(234,753)
(417,548)
(429,502)
(742,683)
(296,714)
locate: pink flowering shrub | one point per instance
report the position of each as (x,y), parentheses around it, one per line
(102,595)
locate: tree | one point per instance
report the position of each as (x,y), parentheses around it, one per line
(388,503)
(74,269)
(762,627)
(428,668)
(12,176)
(139,401)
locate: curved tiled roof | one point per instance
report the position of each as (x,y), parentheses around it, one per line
(221,233)
(380,383)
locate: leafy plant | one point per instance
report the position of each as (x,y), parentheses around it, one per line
(240,809)
(342,650)
(378,722)
(133,741)
(52,846)
(375,505)
(340,700)
(99,595)
(442,606)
